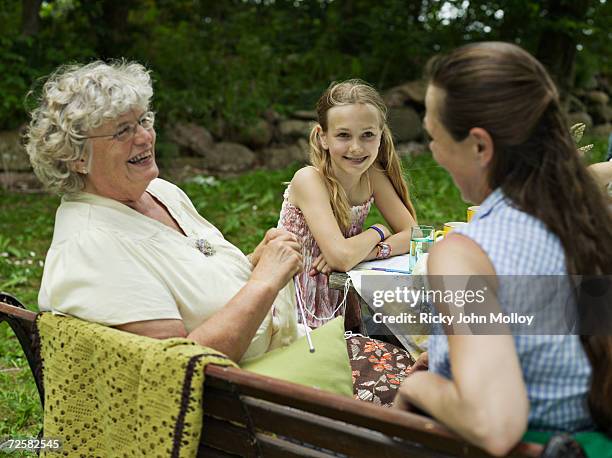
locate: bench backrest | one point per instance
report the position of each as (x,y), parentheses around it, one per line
(21,322)
(252,415)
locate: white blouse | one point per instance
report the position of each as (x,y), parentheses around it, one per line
(112,265)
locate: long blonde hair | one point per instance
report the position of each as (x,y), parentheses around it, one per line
(347,93)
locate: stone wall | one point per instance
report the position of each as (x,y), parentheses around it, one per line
(274,141)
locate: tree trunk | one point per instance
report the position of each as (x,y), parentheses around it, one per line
(30,19)
(557,46)
(113,28)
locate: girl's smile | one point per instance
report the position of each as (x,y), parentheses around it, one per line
(356,160)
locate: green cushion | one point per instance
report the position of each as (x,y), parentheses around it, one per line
(595,445)
(328,368)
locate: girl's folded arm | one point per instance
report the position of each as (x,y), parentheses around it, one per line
(393,210)
(309,194)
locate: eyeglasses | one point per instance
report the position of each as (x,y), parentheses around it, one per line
(126,133)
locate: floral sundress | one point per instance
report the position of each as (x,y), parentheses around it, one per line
(321,302)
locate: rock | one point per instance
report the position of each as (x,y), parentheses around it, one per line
(413,91)
(590,83)
(257,134)
(601,114)
(278,157)
(271,116)
(193,137)
(598,97)
(394,99)
(602,130)
(579,92)
(218,127)
(307,115)
(292,129)
(305,148)
(13,155)
(229,157)
(604,84)
(405,124)
(20,181)
(575,118)
(181,168)
(410,149)
(575,104)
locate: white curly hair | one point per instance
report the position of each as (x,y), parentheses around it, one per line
(74,100)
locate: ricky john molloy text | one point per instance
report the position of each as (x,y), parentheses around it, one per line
(460,318)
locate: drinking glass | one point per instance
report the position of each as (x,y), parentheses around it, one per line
(421,238)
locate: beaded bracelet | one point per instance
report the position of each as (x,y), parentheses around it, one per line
(380,232)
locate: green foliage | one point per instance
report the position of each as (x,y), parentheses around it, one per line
(242,208)
(227,62)
(26,227)
(14,83)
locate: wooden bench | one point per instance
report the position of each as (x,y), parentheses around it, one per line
(252,415)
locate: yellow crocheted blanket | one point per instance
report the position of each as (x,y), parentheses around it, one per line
(110,393)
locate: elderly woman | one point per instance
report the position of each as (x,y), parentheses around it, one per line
(496,126)
(129,249)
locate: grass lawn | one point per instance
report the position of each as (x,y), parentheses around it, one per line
(242,208)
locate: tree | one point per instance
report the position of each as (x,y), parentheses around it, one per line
(30,17)
(558,39)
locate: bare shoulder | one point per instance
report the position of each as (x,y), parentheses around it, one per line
(306,176)
(458,254)
(381,184)
(306,182)
(377,174)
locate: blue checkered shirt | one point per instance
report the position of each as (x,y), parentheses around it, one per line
(555,368)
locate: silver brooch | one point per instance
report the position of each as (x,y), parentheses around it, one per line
(205,247)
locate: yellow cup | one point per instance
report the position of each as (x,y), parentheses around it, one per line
(471,211)
(448,227)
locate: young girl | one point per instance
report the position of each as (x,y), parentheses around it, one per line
(354,163)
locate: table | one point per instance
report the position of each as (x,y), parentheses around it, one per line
(381,331)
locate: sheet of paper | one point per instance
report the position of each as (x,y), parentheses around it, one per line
(413,339)
(396,262)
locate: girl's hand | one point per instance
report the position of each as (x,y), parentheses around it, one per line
(319,265)
(271,234)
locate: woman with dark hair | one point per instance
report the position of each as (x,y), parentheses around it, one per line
(497,127)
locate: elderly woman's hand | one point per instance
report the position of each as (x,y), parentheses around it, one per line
(279,261)
(271,234)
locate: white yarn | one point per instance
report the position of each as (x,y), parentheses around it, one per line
(349,334)
(342,304)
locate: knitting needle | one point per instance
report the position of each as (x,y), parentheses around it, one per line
(301,305)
